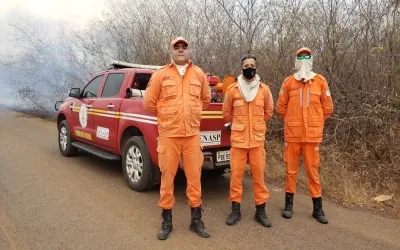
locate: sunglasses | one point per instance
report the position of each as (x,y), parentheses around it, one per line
(304,57)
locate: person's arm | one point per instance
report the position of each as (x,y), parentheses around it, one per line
(205,92)
(326,100)
(152,94)
(227,106)
(283,100)
(268,104)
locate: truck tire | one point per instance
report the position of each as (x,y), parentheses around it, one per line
(65,140)
(136,164)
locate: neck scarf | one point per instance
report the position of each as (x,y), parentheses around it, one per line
(248,90)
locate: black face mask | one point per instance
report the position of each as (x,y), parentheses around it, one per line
(249,73)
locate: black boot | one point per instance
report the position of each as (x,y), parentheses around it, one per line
(235,216)
(166,225)
(197,225)
(261,217)
(318,213)
(288,210)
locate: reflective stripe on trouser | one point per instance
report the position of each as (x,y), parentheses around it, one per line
(170,150)
(291,156)
(256,157)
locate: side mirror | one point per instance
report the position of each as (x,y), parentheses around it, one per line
(75,92)
(58,105)
(128,92)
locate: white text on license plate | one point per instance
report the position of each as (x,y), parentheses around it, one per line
(223,156)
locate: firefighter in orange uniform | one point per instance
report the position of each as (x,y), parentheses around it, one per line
(304,103)
(248,105)
(178,93)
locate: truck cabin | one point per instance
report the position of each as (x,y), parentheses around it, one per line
(142,76)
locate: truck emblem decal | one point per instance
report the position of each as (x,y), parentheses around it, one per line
(83,115)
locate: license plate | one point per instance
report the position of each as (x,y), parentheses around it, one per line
(209,138)
(223,156)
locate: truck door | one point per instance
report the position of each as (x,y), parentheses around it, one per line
(106,108)
(82,115)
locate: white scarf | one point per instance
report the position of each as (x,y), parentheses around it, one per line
(304,70)
(248,90)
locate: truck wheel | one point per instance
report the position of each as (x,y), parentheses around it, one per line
(136,164)
(65,139)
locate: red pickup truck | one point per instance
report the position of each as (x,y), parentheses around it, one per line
(106,118)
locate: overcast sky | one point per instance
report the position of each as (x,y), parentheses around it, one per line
(76,12)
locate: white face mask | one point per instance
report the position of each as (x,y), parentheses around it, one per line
(304,69)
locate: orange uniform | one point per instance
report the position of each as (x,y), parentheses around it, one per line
(304,107)
(247,139)
(178,101)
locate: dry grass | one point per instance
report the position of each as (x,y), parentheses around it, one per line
(23,115)
(29,113)
(341,182)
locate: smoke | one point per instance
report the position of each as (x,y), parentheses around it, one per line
(42,64)
(40,58)
(7,95)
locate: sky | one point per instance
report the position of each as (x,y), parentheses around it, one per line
(76,12)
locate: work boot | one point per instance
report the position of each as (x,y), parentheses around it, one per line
(318,213)
(235,216)
(166,225)
(288,210)
(261,217)
(197,225)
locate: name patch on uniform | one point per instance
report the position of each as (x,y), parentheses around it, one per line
(168,78)
(209,138)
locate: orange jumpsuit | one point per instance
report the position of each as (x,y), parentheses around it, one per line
(247,139)
(304,108)
(178,102)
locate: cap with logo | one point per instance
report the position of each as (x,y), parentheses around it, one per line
(177,40)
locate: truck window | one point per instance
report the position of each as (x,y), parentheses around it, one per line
(91,89)
(113,84)
(141,80)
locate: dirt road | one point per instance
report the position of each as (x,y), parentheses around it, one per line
(51,202)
